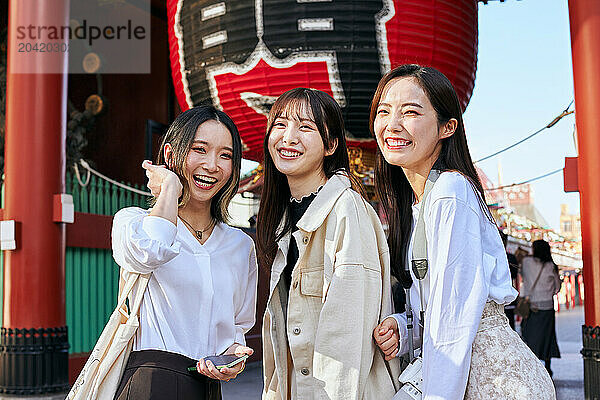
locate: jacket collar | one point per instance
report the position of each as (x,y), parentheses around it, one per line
(312,219)
(322,205)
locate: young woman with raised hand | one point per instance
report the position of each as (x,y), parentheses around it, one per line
(327,256)
(469,350)
(201,296)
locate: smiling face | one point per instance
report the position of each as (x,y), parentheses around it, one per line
(406,126)
(208,165)
(295,144)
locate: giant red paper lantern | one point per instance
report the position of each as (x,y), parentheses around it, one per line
(241,54)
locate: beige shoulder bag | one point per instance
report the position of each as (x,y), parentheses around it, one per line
(102,372)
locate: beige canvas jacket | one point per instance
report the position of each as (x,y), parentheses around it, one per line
(340,291)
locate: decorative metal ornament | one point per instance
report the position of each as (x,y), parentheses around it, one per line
(198,232)
(94,104)
(91,63)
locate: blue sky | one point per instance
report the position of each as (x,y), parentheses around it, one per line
(524,79)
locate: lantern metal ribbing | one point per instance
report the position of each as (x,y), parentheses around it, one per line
(241,54)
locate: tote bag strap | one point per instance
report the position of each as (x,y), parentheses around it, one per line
(134,282)
(141,286)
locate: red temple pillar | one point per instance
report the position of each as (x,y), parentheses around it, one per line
(585,44)
(34,295)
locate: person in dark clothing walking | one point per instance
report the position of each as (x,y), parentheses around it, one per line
(513,266)
(540,283)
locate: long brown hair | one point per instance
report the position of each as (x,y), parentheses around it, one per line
(391,184)
(181,134)
(275,197)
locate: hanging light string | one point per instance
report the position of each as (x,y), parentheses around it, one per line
(563,114)
(527,181)
(90,170)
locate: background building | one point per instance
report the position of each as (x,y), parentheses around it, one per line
(570,224)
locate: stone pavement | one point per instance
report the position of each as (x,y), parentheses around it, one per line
(568,370)
(247,386)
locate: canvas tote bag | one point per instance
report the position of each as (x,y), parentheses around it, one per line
(102,372)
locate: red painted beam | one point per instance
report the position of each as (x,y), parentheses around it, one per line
(584,16)
(90,231)
(570,179)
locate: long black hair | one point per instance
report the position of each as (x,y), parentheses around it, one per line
(541,251)
(180,136)
(275,197)
(391,184)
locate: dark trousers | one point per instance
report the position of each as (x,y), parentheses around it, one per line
(155,374)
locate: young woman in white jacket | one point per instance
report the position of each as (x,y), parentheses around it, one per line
(328,260)
(469,350)
(201,296)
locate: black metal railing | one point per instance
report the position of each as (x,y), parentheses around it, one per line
(591,361)
(34,361)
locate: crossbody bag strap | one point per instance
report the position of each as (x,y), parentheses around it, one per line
(419,250)
(419,262)
(538,277)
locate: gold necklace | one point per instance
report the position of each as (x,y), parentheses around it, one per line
(198,232)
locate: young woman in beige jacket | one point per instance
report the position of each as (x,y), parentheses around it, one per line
(328,260)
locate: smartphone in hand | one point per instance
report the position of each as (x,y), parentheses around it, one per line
(223,361)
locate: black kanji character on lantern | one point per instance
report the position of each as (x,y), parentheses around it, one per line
(216,32)
(347,27)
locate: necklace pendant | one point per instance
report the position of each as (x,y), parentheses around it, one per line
(199,234)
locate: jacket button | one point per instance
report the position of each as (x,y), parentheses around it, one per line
(305,240)
(296,331)
(304,371)
(295,285)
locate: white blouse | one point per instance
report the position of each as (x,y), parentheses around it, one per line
(200,298)
(467,268)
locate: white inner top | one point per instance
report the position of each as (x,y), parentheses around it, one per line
(467,268)
(200,298)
